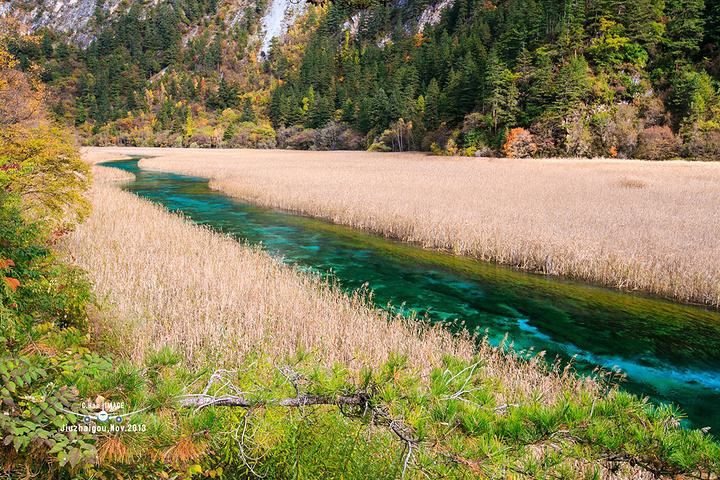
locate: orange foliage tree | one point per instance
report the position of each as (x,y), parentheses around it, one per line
(519,143)
(22,94)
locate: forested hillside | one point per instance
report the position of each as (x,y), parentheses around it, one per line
(516,78)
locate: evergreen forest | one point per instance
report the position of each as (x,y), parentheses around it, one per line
(492,78)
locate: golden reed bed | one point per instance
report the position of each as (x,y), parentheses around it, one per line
(169,282)
(634,225)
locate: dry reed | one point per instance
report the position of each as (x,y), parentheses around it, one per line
(633,225)
(173,283)
(111,175)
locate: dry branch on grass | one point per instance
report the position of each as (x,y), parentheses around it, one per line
(200,401)
(365,399)
(633,225)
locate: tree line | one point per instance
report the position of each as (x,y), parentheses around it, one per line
(552,77)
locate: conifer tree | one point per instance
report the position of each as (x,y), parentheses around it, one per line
(684,29)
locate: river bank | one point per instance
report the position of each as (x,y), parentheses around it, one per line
(156,271)
(637,226)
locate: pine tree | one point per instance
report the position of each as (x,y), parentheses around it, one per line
(364,121)
(431,116)
(80,113)
(503,95)
(684,29)
(380,110)
(572,85)
(248,115)
(571,32)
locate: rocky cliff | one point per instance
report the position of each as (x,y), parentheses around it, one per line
(75,17)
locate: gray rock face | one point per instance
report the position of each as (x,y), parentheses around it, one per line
(74,16)
(71,16)
(279,15)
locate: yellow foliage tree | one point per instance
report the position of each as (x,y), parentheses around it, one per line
(22,94)
(39,163)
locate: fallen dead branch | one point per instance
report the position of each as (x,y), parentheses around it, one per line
(200,401)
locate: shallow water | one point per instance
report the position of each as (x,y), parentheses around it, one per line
(670,352)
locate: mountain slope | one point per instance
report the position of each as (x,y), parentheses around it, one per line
(519,78)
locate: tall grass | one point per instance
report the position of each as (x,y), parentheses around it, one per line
(111,175)
(172,283)
(633,225)
(175,289)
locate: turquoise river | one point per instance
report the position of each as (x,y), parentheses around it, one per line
(670,352)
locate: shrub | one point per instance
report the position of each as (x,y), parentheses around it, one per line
(285,134)
(261,135)
(379,147)
(161,139)
(304,140)
(658,143)
(653,111)
(704,145)
(200,140)
(473,131)
(333,136)
(177,141)
(617,128)
(238,141)
(384,142)
(351,140)
(338,136)
(439,138)
(328,137)
(486,152)
(578,140)
(451,149)
(548,135)
(519,144)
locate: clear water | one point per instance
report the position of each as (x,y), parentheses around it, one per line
(670,352)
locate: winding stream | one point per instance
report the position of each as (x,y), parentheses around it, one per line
(670,352)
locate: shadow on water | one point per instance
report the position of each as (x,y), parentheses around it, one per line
(670,352)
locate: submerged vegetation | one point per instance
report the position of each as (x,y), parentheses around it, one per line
(595,220)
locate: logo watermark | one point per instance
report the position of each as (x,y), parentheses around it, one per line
(99,416)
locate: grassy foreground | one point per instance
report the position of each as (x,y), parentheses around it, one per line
(191,322)
(626,224)
(239,367)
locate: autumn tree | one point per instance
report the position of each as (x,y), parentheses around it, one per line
(21,93)
(519,143)
(41,167)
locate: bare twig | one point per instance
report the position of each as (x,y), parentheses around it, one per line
(407,458)
(200,401)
